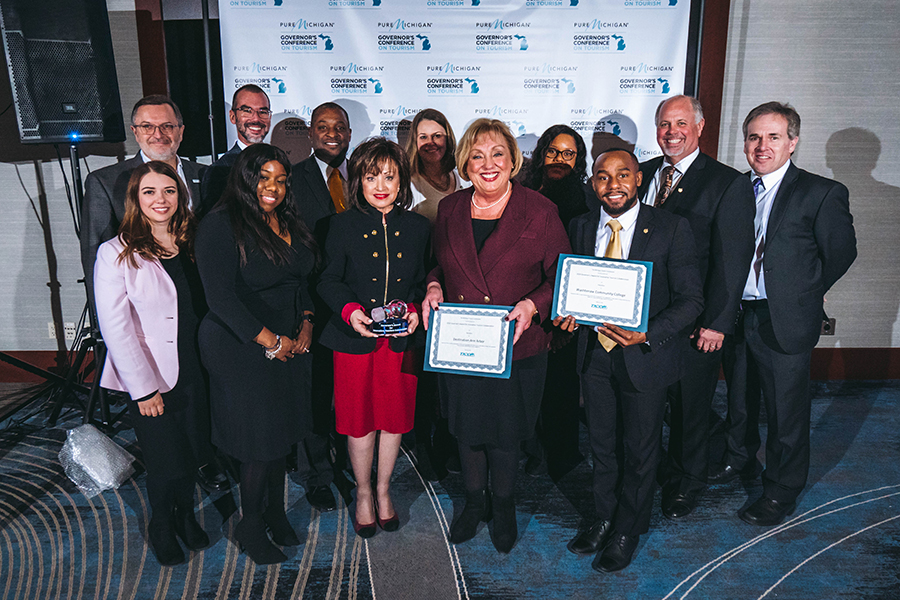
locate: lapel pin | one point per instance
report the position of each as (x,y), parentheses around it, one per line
(679,190)
(646,230)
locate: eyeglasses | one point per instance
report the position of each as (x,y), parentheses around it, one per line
(149,129)
(552,153)
(262,112)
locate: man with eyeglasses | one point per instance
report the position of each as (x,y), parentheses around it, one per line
(158,129)
(251,115)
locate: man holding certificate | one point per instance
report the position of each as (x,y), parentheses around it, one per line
(625,373)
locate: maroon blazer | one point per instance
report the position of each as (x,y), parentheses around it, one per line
(517,261)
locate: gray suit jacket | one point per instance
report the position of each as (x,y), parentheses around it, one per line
(810,244)
(104,207)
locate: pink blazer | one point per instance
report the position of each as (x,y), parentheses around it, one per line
(137,310)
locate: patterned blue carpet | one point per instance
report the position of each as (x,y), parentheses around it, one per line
(842,542)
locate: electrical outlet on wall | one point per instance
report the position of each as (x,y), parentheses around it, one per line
(70,331)
(51,330)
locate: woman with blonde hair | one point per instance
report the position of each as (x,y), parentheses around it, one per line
(431,150)
(496,243)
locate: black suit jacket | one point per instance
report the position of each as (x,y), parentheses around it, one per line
(215,179)
(104,206)
(312,196)
(370,263)
(718,203)
(810,244)
(676,298)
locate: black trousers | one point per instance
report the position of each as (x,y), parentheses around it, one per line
(620,416)
(690,400)
(756,359)
(314,452)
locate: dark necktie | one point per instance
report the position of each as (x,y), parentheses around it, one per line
(668,174)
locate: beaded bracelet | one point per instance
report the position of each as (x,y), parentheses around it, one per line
(274,350)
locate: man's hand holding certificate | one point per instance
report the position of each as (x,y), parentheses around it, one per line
(602,291)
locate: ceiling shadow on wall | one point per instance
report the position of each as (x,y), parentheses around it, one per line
(852,154)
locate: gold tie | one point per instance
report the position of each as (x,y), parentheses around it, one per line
(613,250)
(668,173)
(336,189)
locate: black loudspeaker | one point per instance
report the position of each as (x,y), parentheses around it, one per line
(62,71)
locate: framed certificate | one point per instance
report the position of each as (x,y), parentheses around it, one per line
(470,339)
(603,290)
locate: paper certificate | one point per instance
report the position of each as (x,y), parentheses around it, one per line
(470,339)
(603,290)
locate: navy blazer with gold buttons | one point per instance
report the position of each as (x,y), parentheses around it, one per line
(371,262)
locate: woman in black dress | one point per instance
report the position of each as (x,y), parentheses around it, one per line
(376,253)
(149,304)
(255,254)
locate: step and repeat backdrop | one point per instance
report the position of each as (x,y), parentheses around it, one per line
(600,66)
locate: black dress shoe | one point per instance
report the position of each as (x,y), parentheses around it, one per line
(617,554)
(211,478)
(726,473)
(189,530)
(767,512)
(680,504)
(320,497)
(592,539)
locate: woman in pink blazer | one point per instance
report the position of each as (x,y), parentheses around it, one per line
(149,304)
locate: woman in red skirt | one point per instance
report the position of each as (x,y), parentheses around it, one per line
(375,254)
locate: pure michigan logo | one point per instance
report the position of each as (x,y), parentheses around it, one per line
(452,86)
(644,86)
(505,36)
(548,85)
(598,42)
(404,36)
(358,86)
(306,36)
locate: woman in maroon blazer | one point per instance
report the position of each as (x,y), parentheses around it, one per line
(496,243)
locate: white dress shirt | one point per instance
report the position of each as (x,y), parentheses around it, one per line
(327,169)
(627,220)
(755,288)
(681,168)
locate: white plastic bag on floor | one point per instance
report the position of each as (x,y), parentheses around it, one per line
(94,462)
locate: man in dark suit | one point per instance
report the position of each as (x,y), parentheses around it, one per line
(624,374)
(805,242)
(158,129)
(319,185)
(717,201)
(251,114)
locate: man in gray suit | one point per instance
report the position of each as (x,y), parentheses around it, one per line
(805,242)
(158,129)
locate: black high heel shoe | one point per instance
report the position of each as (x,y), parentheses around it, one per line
(162,539)
(280,528)
(476,510)
(364,530)
(390,524)
(189,530)
(250,533)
